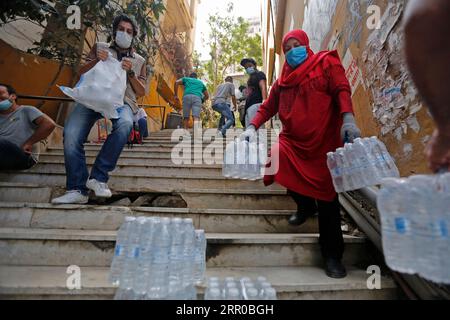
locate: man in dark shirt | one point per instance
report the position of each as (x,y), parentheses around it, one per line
(256,89)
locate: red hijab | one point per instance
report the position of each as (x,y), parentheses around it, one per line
(293,77)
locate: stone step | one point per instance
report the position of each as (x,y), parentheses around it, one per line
(140,183)
(194,198)
(137,169)
(168,153)
(24,192)
(156,161)
(291,283)
(145,157)
(110,218)
(95,248)
(155,149)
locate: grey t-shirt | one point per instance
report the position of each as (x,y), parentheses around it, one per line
(223,93)
(18,127)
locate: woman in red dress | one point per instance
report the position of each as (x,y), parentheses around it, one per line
(313,100)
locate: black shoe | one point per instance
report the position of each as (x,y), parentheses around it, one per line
(300,217)
(335,269)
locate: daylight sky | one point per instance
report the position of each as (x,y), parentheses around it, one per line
(243,8)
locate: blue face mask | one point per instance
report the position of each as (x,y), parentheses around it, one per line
(296,56)
(5,105)
(250,70)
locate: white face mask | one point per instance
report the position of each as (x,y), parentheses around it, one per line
(123,39)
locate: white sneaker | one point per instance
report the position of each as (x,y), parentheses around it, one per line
(71,197)
(101,189)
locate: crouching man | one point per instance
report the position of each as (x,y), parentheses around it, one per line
(21,129)
(82,119)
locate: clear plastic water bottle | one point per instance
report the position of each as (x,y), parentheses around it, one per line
(344,165)
(233,294)
(242,158)
(120,251)
(213,294)
(398,240)
(420,199)
(262,158)
(442,225)
(252,294)
(263,287)
(145,256)
(336,173)
(253,167)
(159,288)
(200,256)
(355,168)
(270,294)
(229,160)
(132,256)
(188,252)
(369,174)
(176,250)
(391,167)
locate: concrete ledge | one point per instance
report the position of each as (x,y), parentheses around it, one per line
(290,283)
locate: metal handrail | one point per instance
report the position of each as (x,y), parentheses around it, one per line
(65,99)
(415,287)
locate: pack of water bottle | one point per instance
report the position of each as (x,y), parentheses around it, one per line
(415,220)
(363,163)
(245,160)
(158,259)
(243,289)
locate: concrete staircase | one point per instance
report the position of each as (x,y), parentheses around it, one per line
(246,225)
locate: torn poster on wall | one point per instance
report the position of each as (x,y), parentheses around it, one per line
(395,99)
(352,71)
(317,21)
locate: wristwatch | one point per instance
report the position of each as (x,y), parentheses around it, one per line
(131,74)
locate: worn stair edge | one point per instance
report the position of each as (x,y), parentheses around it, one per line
(213,238)
(51,281)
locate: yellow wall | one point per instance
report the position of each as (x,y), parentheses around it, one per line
(31,75)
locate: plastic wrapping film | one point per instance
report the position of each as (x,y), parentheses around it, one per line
(317,22)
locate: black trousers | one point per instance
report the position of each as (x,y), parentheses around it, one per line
(331,237)
(14,158)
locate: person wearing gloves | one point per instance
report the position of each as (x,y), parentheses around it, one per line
(313,100)
(82,119)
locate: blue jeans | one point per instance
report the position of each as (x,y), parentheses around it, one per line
(76,131)
(225,110)
(14,158)
(143,127)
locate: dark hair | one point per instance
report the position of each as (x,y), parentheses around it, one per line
(193,75)
(229,79)
(248,60)
(10,89)
(129,19)
(242,88)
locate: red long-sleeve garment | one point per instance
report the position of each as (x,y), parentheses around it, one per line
(311,114)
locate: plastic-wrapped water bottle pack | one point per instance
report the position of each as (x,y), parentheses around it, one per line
(364,163)
(415,220)
(245,160)
(158,259)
